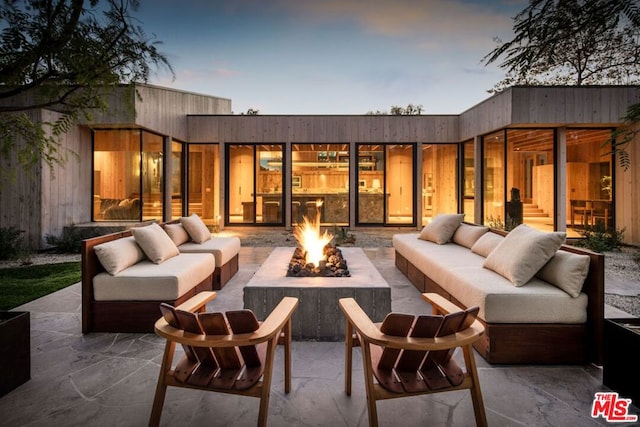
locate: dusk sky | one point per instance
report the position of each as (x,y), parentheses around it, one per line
(332,56)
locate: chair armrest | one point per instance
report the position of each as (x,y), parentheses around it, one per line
(440,304)
(198,301)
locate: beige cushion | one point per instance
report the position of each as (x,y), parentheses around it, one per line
(441,228)
(156,244)
(177,233)
(196,228)
(523,252)
(222,248)
(466,235)
(486,244)
(119,254)
(566,271)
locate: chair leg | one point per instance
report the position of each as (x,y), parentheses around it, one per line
(368,380)
(348,356)
(161,387)
(287,357)
(266,383)
(476,393)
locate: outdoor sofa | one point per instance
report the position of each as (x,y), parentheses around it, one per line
(126,275)
(541,301)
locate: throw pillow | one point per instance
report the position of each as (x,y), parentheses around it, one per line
(156,244)
(466,235)
(177,233)
(567,271)
(486,244)
(119,254)
(441,228)
(196,228)
(523,252)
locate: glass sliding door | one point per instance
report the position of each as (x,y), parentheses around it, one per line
(255,184)
(468,181)
(203,182)
(386,184)
(493,183)
(320,183)
(152,176)
(530,178)
(439,180)
(177,178)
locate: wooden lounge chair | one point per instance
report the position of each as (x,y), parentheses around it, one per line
(227,353)
(412,355)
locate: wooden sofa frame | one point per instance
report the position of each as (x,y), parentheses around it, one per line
(120,316)
(535,343)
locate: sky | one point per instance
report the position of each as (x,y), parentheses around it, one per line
(331,56)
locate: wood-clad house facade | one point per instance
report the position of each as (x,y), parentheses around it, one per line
(162,153)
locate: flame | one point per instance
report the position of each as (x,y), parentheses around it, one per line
(308,236)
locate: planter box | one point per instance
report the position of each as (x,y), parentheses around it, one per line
(621,355)
(15,350)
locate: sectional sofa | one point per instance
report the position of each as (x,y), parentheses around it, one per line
(541,301)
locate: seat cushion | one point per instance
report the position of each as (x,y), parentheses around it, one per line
(146,281)
(223,248)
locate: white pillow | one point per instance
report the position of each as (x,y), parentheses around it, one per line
(119,254)
(523,252)
(177,233)
(466,235)
(566,271)
(156,244)
(441,228)
(486,244)
(196,228)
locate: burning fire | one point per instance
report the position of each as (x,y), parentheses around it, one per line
(308,236)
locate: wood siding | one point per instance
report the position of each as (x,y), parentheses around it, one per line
(324,129)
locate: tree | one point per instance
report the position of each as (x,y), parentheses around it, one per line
(66,56)
(409,110)
(576,42)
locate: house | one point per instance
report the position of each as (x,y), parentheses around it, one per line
(537,155)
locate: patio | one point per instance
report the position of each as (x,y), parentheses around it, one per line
(109,379)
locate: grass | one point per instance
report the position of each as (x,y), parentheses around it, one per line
(20,285)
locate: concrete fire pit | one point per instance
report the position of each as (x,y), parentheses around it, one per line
(318,316)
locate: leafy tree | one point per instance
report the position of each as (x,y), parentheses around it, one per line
(66,56)
(409,110)
(575,42)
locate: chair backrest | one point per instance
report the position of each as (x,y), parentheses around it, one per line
(402,370)
(217,366)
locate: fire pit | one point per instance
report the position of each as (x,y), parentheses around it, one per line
(316,257)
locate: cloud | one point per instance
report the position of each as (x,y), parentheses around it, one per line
(445,21)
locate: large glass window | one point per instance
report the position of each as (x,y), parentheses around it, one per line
(530,178)
(372,195)
(439,180)
(320,183)
(116,175)
(203,182)
(255,189)
(589,180)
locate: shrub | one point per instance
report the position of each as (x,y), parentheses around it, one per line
(69,242)
(11,242)
(599,239)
